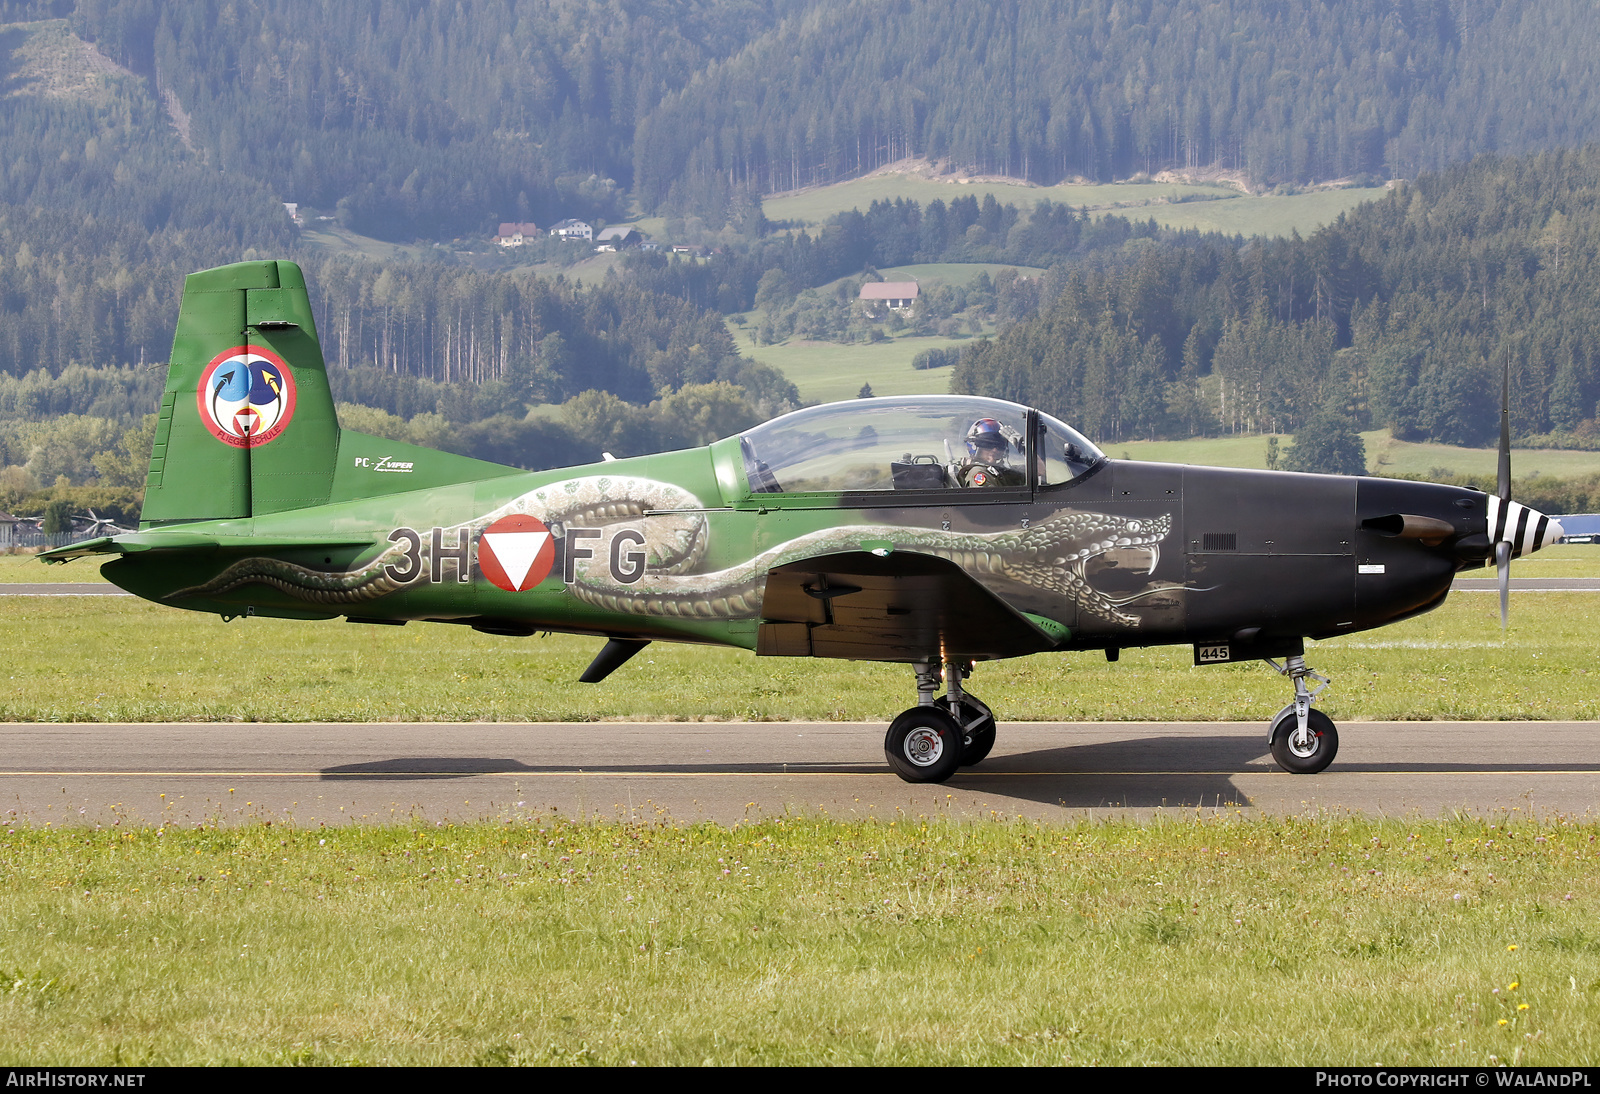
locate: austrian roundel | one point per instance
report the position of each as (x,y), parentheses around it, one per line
(246,396)
(516,553)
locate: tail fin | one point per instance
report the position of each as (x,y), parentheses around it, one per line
(247,423)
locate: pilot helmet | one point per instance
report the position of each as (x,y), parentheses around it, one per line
(987,441)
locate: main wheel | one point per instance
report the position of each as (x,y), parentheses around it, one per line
(923,745)
(977,739)
(1303,759)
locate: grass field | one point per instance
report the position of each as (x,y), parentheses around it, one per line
(951,273)
(1384,454)
(802,940)
(1221,208)
(117,660)
(331,239)
(815,205)
(827,371)
(28,568)
(1267,215)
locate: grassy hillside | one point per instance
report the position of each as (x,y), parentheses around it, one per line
(1384,453)
(331,239)
(826,371)
(816,204)
(1208,208)
(950,273)
(1269,215)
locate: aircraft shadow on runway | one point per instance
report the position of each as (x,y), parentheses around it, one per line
(1154,771)
(1142,772)
(464,767)
(1145,772)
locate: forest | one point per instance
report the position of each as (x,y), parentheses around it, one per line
(1403,312)
(1273,91)
(145,139)
(413,120)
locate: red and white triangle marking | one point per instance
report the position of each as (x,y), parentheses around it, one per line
(516,553)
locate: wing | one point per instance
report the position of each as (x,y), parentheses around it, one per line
(899,607)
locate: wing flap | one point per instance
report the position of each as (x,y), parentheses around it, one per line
(900,607)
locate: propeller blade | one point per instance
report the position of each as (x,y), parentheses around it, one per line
(1502,563)
(1502,546)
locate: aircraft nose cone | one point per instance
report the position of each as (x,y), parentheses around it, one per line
(1525,528)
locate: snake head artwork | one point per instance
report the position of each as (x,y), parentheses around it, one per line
(937,531)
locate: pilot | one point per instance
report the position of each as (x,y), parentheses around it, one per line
(989,446)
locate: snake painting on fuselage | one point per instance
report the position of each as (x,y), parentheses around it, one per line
(935,531)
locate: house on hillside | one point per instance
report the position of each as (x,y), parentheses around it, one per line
(515,233)
(617,237)
(896,296)
(293,209)
(570,230)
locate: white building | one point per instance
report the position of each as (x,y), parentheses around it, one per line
(569,230)
(895,295)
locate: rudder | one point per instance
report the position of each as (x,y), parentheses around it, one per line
(247,424)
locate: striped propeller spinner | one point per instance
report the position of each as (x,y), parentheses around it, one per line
(1525,529)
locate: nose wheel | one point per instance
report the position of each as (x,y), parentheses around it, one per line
(1303,753)
(1304,741)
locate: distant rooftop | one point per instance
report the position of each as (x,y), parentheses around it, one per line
(889,290)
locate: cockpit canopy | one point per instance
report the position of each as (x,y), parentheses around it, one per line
(927,442)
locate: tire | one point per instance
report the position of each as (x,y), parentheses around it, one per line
(979,739)
(1324,742)
(923,745)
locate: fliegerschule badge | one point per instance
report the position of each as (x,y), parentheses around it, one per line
(246,396)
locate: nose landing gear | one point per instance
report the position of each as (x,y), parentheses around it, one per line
(941,734)
(1303,741)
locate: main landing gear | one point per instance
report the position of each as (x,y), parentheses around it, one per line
(1303,740)
(938,736)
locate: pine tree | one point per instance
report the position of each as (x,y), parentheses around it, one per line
(1328,444)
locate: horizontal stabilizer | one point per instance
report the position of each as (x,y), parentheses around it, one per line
(137,542)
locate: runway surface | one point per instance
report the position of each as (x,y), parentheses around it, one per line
(1527,585)
(312,774)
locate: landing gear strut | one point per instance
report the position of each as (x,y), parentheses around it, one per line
(1303,740)
(942,733)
